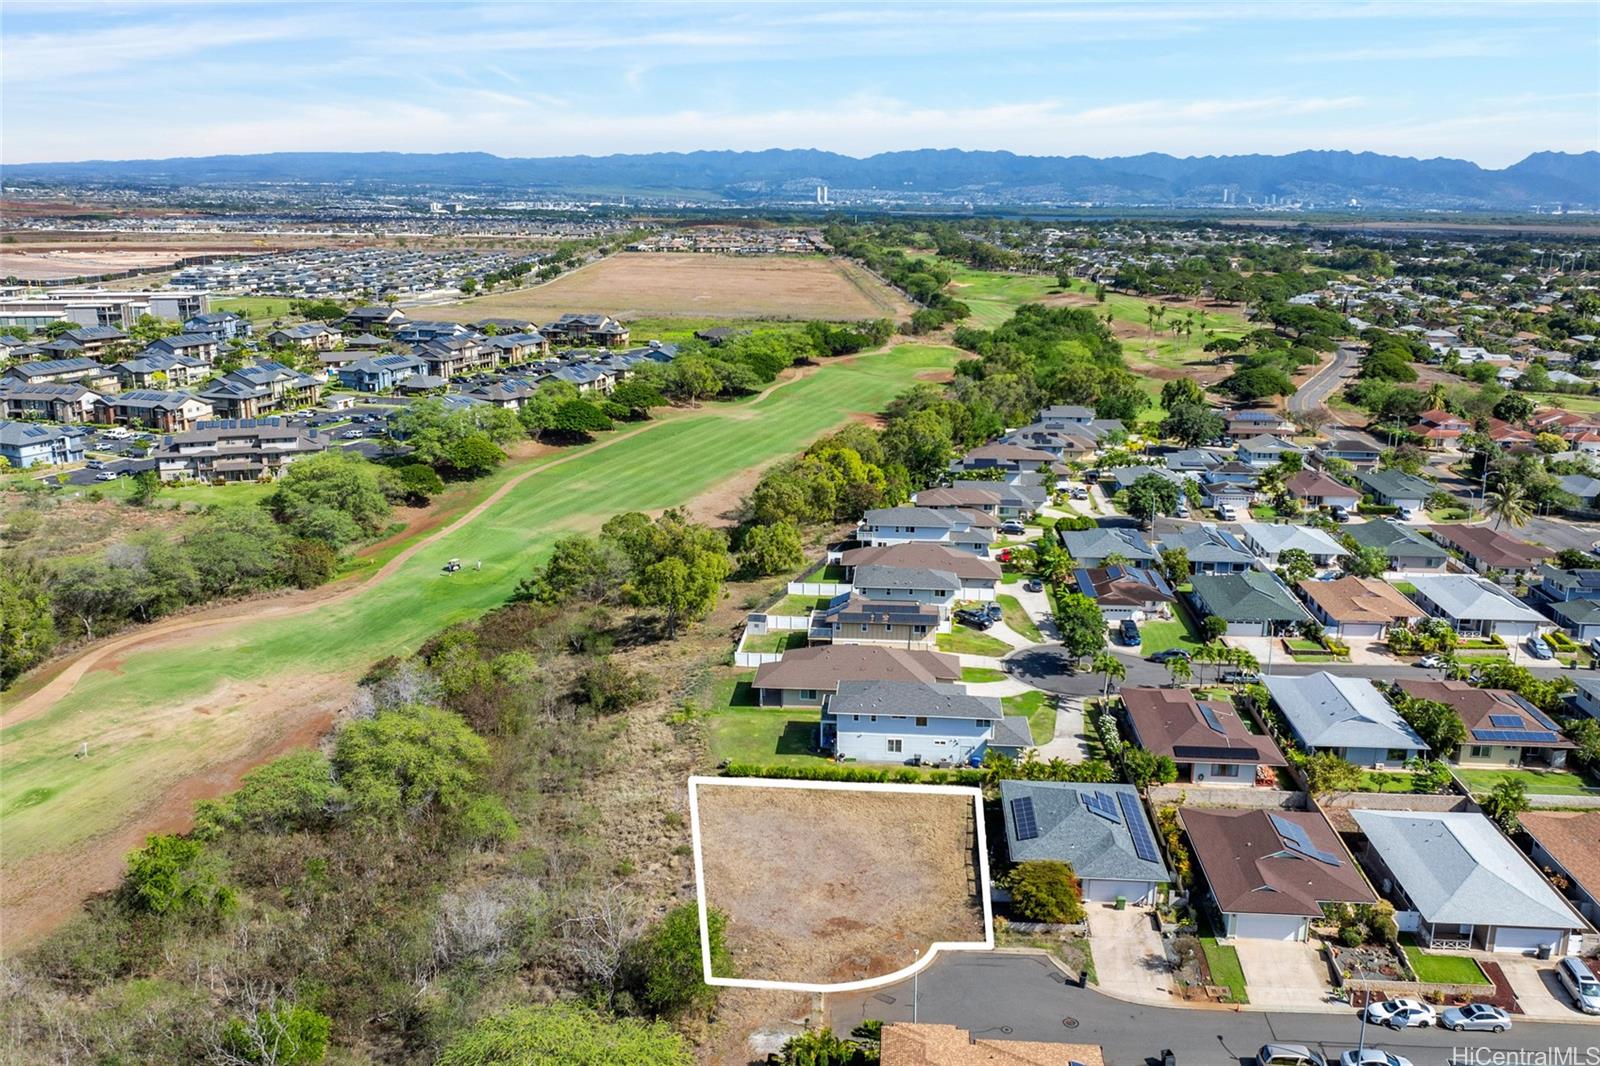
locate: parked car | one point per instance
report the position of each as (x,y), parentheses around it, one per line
(1594,647)
(106,475)
(1183,508)
(1169,654)
(1235,676)
(975,619)
(1371,1057)
(1408,514)
(352,434)
(1538,648)
(1079,493)
(1401,1013)
(1580,983)
(1129,632)
(1478,1017)
(1431,662)
(1012,527)
(1035,585)
(95,464)
(993,612)
(1228,512)
(1288,1055)
(1339,514)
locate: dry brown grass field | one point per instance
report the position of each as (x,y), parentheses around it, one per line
(633,285)
(828,885)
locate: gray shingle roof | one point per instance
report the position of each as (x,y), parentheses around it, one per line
(912,698)
(1328,711)
(1069,831)
(1469,597)
(1102,541)
(878,576)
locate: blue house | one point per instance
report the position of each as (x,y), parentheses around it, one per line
(908,721)
(380,373)
(25,444)
(221,326)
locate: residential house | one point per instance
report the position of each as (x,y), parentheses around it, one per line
(588,329)
(1313,489)
(1270,540)
(1020,497)
(1457,883)
(1232,484)
(58,402)
(1269,873)
(882,583)
(311,336)
(1060,444)
(510,393)
(1586,696)
(199,346)
(1210,550)
(1122,478)
(1358,608)
(154,370)
(1245,423)
(970,531)
(1009,458)
(1580,618)
(1503,729)
(1101,830)
(1396,488)
(586,377)
(1486,549)
(1207,740)
(448,357)
(1093,547)
(373,317)
(804,677)
(1474,606)
(92,340)
(1193,461)
(1563,846)
(1264,450)
(515,349)
(79,370)
(980,577)
(1408,551)
(1065,416)
(253,391)
(235,450)
(914,722)
(1125,592)
(166,411)
(1253,603)
(1344,715)
(855,619)
(1439,428)
(1556,585)
(1352,450)
(1583,488)
(223,326)
(927,1044)
(379,373)
(26,444)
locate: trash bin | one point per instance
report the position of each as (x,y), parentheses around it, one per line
(1122,903)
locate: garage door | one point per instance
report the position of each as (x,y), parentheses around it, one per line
(1108,891)
(1525,941)
(1267,927)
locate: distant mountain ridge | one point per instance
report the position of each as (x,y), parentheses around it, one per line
(1325,177)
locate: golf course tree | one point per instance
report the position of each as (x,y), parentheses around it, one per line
(1081,624)
(1151,495)
(1191,423)
(575,420)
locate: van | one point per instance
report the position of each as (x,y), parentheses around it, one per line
(1580,983)
(1228,512)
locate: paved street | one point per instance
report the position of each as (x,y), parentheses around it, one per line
(1023,997)
(1320,385)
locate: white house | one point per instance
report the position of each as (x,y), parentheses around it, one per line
(901,721)
(1269,541)
(1475,607)
(970,531)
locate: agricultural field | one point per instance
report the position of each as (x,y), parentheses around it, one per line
(633,285)
(177,711)
(838,896)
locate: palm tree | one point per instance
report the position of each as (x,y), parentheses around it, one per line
(1108,664)
(1434,397)
(1206,655)
(1509,503)
(1179,669)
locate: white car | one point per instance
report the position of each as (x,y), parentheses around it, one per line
(1400,1013)
(106,475)
(1371,1057)
(1431,662)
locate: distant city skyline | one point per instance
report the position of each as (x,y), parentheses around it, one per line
(1488,83)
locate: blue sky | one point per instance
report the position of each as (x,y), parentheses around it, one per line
(1486,82)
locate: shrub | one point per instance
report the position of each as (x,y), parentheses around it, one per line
(285,1036)
(666,966)
(409,760)
(174,875)
(568,1034)
(1045,891)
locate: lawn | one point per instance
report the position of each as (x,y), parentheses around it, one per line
(1038,709)
(775,641)
(981,675)
(964,641)
(1442,969)
(799,605)
(1016,617)
(141,717)
(1159,636)
(261,310)
(1557,782)
(1223,961)
(1385,781)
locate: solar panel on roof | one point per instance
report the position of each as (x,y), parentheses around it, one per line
(1210,716)
(1515,736)
(1506,721)
(1022,819)
(1294,837)
(1100,803)
(1144,845)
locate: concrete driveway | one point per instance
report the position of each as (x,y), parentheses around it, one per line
(1128,959)
(1538,991)
(1284,974)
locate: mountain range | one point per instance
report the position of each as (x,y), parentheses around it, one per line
(1323,178)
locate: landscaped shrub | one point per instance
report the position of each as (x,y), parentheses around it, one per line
(1045,891)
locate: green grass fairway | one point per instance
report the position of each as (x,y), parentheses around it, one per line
(157,716)
(261,310)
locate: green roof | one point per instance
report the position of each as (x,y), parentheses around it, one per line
(1252,596)
(1396,484)
(1391,536)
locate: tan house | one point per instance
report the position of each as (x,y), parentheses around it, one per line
(925,1044)
(1358,608)
(1503,729)
(858,620)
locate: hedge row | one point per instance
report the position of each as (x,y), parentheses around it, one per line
(856,774)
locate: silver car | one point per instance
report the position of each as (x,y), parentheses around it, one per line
(1478,1017)
(1288,1055)
(1371,1057)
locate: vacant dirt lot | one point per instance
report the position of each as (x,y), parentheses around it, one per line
(656,284)
(56,264)
(825,886)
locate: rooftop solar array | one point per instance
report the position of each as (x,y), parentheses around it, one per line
(1294,837)
(1210,715)
(1144,845)
(1022,818)
(1516,736)
(1100,803)
(1506,721)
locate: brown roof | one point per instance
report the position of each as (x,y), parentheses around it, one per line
(906,1044)
(1572,838)
(1251,870)
(1168,721)
(1490,546)
(957,496)
(822,667)
(1013,453)
(1121,586)
(964,565)
(1360,599)
(1475,705)
(1312,483)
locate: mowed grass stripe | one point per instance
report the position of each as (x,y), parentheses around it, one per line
(124,712)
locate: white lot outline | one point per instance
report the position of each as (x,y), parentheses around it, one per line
(986,944)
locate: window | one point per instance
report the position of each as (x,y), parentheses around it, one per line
(922,721)
(1225,770)
(920,631)
(1397,755)
(808,693)
(872,718)
(1480,751)
(863,627)
(894,746)
(982,723)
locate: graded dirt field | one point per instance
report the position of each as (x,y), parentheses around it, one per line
(823,886)
(56,265)
(633,285)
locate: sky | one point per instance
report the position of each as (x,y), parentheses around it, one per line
(1487,82)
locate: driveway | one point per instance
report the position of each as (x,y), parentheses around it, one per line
(1538,991)
(1128,958)
(1284,974)
(1069,742)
